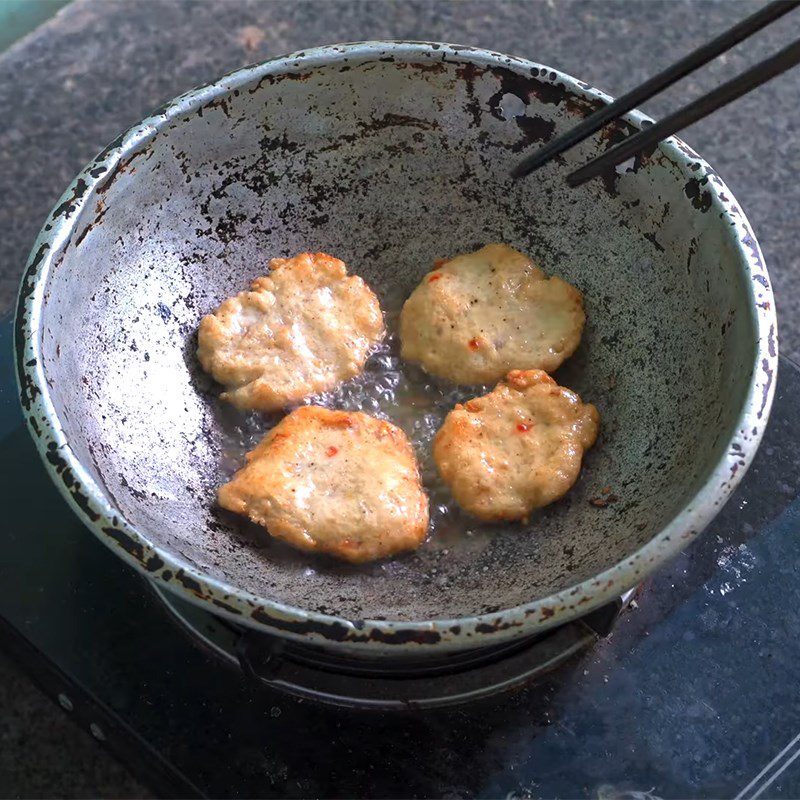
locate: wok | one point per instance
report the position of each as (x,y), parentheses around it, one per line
(389,155)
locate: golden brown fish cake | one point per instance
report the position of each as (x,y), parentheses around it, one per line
(300,330)
(337,482)
(479,315)
(517,448)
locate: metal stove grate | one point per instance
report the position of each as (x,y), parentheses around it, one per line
(408,683)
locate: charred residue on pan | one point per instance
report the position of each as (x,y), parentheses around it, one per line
(271,80)
(496,625)
(217,102)
(225,606)
(613,134)
(525,86)
(59,465)
(467,72)
(534,129)
(340,632)
(123,166)
(68,206)
(99,213)
(191,584)
(29,390)
(126,542)
(651,237)
(154,563)
(701,198)
(389,120)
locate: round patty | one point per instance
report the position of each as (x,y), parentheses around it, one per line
(479,315)
(517,448)
(336,482)
(301,330)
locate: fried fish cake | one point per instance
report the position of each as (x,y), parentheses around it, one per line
(301,330)
(337,482)
(517,448)
(479,315)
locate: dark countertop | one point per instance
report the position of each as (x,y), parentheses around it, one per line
(42,754)
(97,68)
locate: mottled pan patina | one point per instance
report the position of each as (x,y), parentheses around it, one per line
(391,155)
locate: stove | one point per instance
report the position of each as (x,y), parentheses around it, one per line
(689,690)
(400,684)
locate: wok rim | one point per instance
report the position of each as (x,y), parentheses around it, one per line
(388,635)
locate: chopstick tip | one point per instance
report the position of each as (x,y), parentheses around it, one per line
(526,166)
(577,178)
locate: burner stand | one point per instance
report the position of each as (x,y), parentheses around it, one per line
(316,674)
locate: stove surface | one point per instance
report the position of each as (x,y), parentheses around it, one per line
(693,693)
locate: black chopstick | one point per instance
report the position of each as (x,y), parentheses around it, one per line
(703,106)
(698,58)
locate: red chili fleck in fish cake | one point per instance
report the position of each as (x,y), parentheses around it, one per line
(479,315)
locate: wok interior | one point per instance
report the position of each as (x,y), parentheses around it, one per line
(389,165)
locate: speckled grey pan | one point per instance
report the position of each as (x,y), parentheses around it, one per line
(390,155)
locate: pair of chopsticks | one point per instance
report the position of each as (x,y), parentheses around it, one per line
(650,136)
